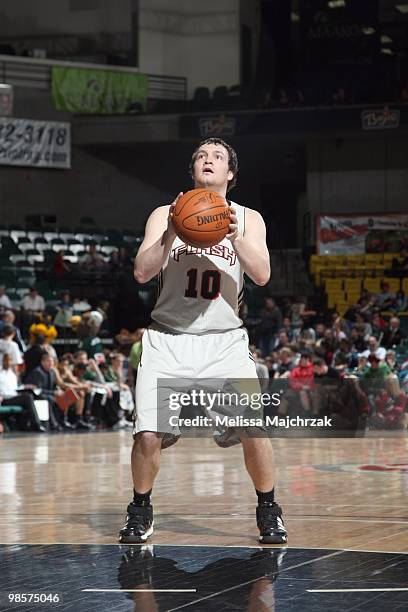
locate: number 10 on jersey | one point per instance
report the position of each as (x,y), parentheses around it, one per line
(208,287)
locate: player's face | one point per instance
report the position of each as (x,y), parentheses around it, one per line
(211,169)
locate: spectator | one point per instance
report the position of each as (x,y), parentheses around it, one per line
(10,396)
(9,319)
(33,356)
(301,380)
(283,341)
(389,412)
(44,377)
(64,313)
(401,302)
(92,261)
(391,361)
(60,266)
(4,299)
(271,323)
(393,335)
(33,302)
(359,338)
(375,349)
(9,347)
(67,380)
(375,376)
(285,363)
(378,324)
(385,298)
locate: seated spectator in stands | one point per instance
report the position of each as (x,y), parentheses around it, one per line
(350,355)
(320,329)
(9,347)
(119,260)
(67,380)
(375,377)
(326,379)
(385,298)
(389,412)
(391,361)
(92,261)
(401,302)
(4,299)
(301,380)
(64,313)
(33,356)
(11,394)
(327,346)
(270,324)
(60,266)
(393,335)
(285,363)
(349,407)
(375,349)
(378,324)
(33,302)
(360,319)
(44,378)
(287,327)
(9,319)
(359,338)
(283,341)
(362,366)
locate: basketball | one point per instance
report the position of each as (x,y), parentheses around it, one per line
(201,218)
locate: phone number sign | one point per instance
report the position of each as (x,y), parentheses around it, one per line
(42,144)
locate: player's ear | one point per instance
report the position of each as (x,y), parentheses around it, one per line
(230,175)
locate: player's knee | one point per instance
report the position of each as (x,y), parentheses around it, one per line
(147,442)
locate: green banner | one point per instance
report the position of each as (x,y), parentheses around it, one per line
(79,90)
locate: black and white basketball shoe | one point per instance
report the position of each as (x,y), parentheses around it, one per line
(270,524)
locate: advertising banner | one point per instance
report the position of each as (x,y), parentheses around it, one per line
(359,234)
(42,144)
(82,90)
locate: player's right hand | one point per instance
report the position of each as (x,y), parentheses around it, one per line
(170,226)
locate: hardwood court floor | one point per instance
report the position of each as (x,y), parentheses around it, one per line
(74,488)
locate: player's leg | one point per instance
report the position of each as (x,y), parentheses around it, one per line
(145,467)
(259,462)
(156,364)
(235,364)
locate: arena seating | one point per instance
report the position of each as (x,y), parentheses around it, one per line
(344,276)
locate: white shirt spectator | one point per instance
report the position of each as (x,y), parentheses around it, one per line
(35,303)
(5,301)
(8,383)
(11,348)
(380,353)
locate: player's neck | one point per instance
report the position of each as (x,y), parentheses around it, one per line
(221,190)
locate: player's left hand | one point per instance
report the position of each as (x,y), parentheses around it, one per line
(233,226)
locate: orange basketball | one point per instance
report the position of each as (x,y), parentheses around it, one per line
(201,218)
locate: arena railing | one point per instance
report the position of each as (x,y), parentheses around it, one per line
(36,74)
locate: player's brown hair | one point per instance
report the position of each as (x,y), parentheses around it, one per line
(232,158)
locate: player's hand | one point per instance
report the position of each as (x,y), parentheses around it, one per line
(170,227)
(233,226)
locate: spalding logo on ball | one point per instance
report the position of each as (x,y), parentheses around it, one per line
(201,218)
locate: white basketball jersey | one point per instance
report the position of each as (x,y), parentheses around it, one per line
(201,290)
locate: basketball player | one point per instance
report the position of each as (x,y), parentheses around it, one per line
(196,333)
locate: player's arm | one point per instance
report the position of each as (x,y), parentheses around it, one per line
(251,247)
(157,242)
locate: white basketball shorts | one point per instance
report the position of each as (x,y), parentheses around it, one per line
(167,355)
